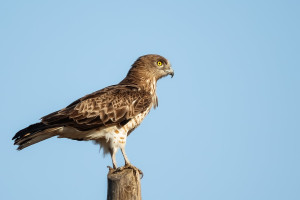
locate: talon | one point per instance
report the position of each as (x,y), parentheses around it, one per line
(111,170)
(126,166)
(134,168)
(119,169)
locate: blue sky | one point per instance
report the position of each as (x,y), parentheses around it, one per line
(227,125)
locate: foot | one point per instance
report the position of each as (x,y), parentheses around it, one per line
(111,170)
(130,166)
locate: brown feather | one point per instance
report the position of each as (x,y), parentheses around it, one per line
(108,107)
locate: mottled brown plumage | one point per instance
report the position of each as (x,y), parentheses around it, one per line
(106,116)
(113,105)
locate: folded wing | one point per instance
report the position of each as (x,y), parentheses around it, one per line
(107,107)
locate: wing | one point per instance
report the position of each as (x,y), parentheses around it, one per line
(107,107)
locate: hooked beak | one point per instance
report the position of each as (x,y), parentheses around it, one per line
(170,72)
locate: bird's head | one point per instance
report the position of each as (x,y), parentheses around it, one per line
(152,66)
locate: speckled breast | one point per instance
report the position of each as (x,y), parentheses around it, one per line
(135,122)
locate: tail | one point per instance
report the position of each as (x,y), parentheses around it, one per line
(34,134)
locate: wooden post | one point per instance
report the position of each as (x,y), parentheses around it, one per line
(124,185)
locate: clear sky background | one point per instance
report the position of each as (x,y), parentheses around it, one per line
(227,125)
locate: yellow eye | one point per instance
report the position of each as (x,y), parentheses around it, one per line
(159,63)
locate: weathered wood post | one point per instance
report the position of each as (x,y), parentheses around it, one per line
(124,185)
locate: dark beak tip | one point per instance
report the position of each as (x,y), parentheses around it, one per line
(172,74)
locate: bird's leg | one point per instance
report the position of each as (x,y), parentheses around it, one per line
(128,164)
(113,152)
(125,156)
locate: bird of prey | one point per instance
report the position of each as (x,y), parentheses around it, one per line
(106,116)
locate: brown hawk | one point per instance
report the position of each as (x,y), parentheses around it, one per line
(106,116)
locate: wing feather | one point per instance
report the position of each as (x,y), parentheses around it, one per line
(107,107)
